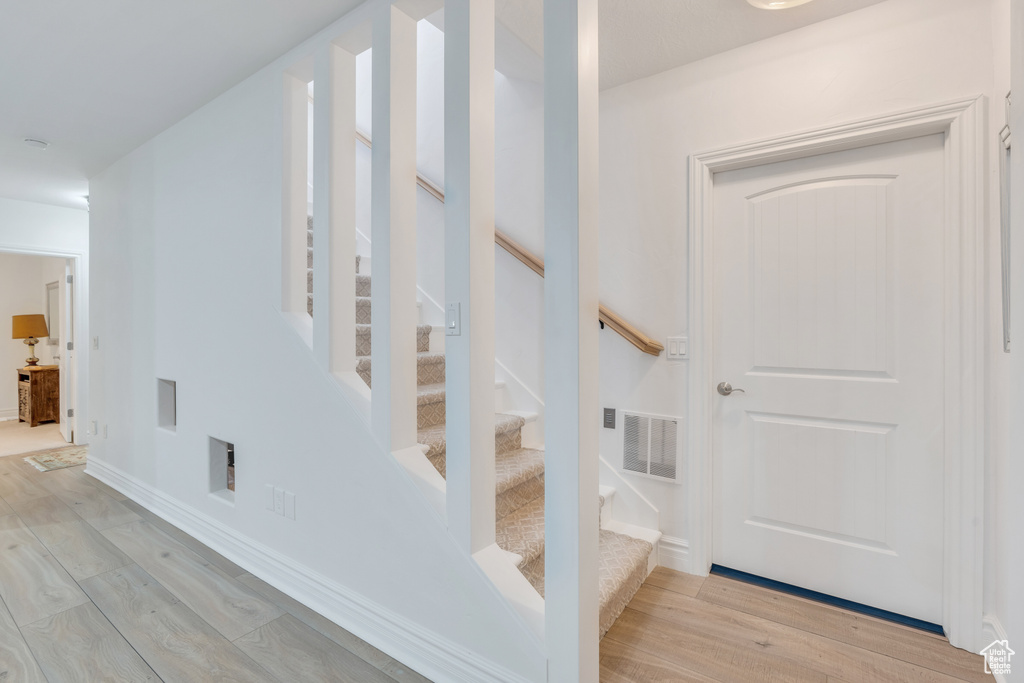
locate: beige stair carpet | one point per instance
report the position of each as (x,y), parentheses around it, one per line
(519,489)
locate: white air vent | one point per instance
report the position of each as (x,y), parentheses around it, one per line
(650,445)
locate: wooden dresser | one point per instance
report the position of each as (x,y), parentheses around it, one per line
(39,394)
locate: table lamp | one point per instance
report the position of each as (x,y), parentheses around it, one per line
(29,327)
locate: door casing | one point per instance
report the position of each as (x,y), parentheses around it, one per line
(963,124)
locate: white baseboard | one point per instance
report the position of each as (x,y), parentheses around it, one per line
(674,553)
(7,415)
(431,655)
(992,630)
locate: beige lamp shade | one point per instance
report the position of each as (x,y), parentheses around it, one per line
(25,326)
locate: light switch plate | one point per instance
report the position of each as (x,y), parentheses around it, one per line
(453,320)
(675,348)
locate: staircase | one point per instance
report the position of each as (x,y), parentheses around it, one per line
(519,505)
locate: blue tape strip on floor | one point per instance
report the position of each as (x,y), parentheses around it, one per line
(755,580)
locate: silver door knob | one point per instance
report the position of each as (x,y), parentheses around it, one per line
(724,388)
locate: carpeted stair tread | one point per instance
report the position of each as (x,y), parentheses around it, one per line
(519,474)
(519,479)
(363,285)
(429,393)
(429,368)
(364,310)
(621,569)
(522,532)
(422,358)
(517,467)
(364,339)
(431,408)
(433,437)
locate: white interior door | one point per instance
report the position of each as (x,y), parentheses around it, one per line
(828,470)
(67,353)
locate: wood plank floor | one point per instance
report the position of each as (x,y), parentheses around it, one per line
(685,628)
(95,587)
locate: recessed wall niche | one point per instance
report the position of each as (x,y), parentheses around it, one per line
(222,469)
(166,404)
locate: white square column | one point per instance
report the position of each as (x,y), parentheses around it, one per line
(469,269)
(571,338)
(334,213)
(393,229)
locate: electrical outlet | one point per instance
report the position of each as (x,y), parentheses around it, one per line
(95,343)
(279,501)
(95,428)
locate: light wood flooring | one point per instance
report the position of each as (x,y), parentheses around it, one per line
(93,587)
(685,628)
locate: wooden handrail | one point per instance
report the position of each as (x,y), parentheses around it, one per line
(536,264)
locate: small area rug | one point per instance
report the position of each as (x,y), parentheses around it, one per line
(57,458)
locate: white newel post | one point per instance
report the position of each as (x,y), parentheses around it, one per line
(469,269)
(393,229)
(570,338)
(334,213)
(294,206)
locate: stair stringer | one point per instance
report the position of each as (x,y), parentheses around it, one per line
(496,568)
(499,566)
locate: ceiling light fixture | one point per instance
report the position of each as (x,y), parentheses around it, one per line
(777,4)
(38,144)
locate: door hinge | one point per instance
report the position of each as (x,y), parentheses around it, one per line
(71,346)
(71,279)
(71,412)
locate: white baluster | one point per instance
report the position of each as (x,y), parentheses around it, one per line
(393,228)
(334,215)
(469,269)
(295,200)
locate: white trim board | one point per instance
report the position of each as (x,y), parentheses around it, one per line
(963,123)
(415,646)
(674,553)
(992,630)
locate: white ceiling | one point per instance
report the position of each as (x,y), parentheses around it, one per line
(97,79)
(640,38)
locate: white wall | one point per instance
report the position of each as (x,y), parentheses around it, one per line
(892,56)
(31,228)
(519,209)
(185,243)
(1004,557)
(27,226)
